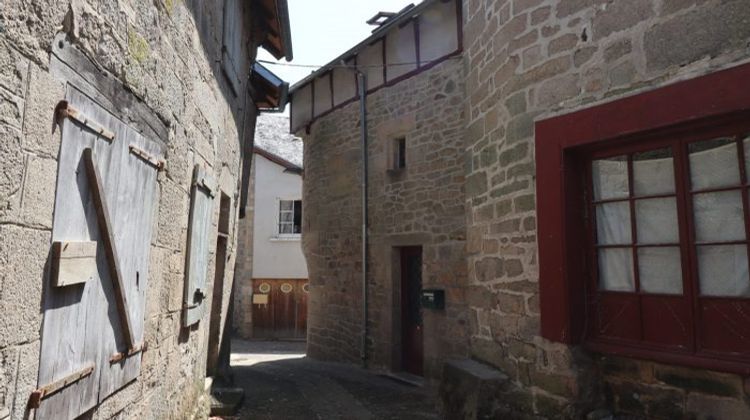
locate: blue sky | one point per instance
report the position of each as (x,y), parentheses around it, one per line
(324,29)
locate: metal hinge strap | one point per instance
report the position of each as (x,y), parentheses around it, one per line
(146,157)
(65,110)
(118,357)
(38,395)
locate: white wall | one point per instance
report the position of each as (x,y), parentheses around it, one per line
(274,258)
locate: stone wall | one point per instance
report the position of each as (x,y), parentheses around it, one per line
(164,57)
(528,60)
(242,321)
(422,204)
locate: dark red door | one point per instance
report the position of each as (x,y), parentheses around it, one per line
(411,310)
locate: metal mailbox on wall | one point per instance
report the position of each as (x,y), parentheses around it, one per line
(94,298)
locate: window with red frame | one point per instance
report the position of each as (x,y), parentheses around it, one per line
(668,228)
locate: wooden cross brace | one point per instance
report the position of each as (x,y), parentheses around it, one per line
(107,234)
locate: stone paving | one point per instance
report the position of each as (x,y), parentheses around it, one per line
(281,383)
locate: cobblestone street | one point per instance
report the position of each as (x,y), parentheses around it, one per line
(280,383)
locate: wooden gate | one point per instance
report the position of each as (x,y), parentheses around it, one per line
(280,308)
(92,334)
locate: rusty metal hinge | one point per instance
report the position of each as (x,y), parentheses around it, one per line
(146,157)
(35,400)
(65,110)
(118,357)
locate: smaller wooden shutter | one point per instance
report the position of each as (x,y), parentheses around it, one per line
(196,272)
(231,55)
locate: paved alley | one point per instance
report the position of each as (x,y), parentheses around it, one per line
(280,383)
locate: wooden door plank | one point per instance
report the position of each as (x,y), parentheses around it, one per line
(81,324)
(110,247)
(73,262)
(197,261)
(72,319)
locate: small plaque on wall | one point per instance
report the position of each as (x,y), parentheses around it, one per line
(260,299)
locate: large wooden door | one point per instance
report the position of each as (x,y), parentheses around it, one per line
(94,299)
(279,308)
(412,357)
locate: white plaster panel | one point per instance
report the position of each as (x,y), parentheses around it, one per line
(275,258)
(370,60)
(322,94)
(400,48)
(438,31)
(301,107)
(344,85)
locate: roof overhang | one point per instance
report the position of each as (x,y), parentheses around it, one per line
(271,91)
(407,13)
(288,166)
(278,42)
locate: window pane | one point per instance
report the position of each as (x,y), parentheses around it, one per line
(286,205)
(286,228)
(660,270)
(746,146)
(297,216)
(616,269)
(656,221)
(653,172)
(613,223)
(610,178)
(722,270)
(714,164)
(287,216)
(719,217)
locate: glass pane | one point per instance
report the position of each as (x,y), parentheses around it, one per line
(746,146)
(286,228)
(286,205)
(660,270)
(613,224)
(719,217)
(656,221)
(714,164)
(610,177)
(653,172)
(616,269)
(287,216)
(722,270)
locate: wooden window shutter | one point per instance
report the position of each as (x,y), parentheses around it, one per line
(196,271)
(94,298)
(231,56)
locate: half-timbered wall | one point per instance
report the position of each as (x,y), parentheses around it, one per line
(399,51)
(151,73)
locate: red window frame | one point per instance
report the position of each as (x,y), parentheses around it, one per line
(697,109)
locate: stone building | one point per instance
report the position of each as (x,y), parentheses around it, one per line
(125,131)
(588,234)
(415,120)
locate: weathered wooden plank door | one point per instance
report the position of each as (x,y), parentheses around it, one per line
(280,308)
(196,271)
(83,318)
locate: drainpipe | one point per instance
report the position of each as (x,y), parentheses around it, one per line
(362,79)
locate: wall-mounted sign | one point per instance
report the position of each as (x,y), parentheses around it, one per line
(287,288)
(260,299)
(264,288)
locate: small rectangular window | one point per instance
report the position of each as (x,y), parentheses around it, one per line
(290,217)
(399,153)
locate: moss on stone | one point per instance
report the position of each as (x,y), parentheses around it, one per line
(137,46)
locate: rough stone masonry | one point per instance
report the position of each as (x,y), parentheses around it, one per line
(155,58)
(473,128)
